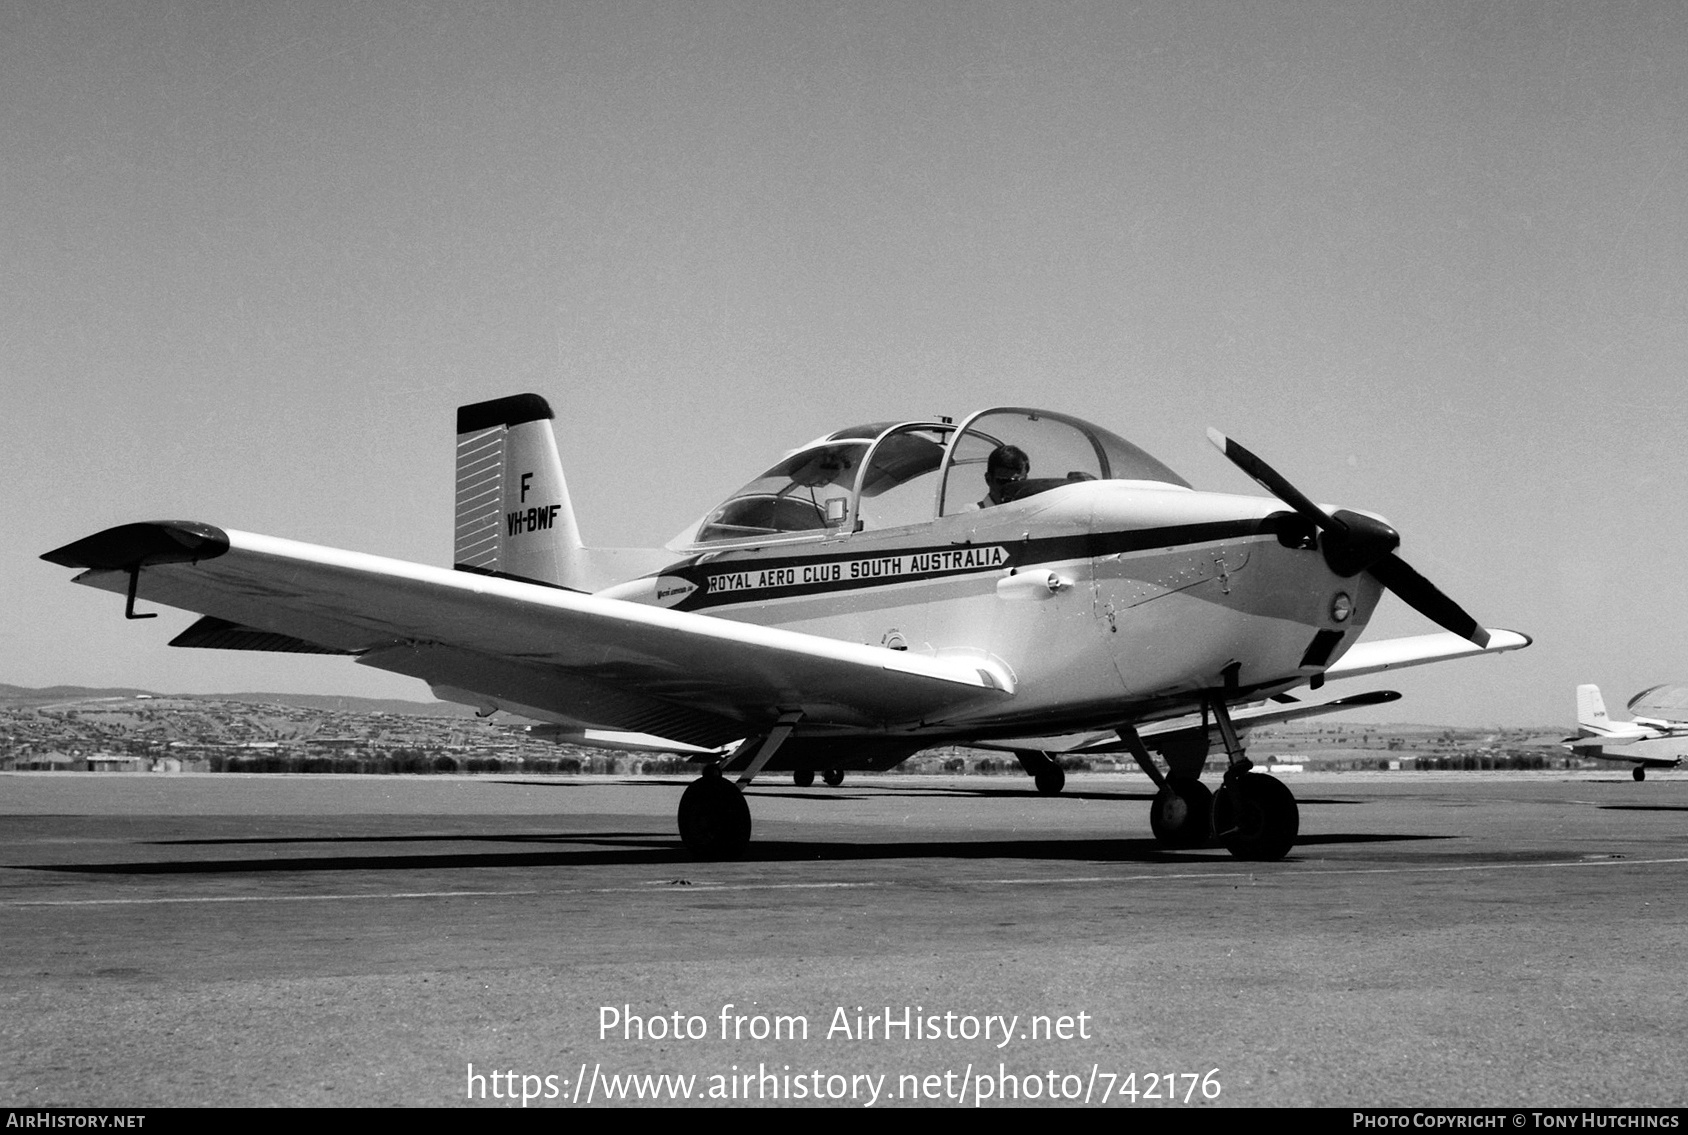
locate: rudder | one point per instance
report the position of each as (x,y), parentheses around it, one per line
(514,516)
(1591,707)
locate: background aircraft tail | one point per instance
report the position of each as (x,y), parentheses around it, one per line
(1591,708)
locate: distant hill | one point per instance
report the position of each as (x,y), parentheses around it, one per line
(22,696)
(337,704)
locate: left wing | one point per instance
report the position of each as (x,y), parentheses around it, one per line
(1178,730)
(601,662)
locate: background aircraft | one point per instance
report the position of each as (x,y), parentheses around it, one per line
(884,589)
(1595,730)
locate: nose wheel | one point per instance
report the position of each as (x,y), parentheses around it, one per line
(1640,772)
(1181,815)
(802,778)
(833,776)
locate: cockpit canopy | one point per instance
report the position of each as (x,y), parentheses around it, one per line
(885,475)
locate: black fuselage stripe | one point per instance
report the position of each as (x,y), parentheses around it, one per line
(814,575)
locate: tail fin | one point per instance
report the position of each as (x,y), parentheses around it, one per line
(514,517)
(1591,708)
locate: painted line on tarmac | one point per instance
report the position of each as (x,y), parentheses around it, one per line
(1602,861)
(268,898)
(643,888)
(682,886)
(1199,876)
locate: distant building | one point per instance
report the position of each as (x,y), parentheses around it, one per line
(111,762)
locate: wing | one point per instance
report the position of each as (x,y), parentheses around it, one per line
(1661,727)
(601,662)
(1397,653)
(1618,733)
(1177,730)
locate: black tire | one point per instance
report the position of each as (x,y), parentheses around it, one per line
(833,776)
(803,777)
(714,819)
(1640,772)
(1181,815)
(1255,817)
(1050,779)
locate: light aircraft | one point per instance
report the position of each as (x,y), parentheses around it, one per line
(1595,730)
(867,597)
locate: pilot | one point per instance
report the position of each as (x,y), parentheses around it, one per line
(1006,467)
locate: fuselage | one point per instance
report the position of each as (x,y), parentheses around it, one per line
(1102,598)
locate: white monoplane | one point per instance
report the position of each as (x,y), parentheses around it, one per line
(1023,580)
(1595,730)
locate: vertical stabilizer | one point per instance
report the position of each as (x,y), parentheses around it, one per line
(1591,707)
(514,517)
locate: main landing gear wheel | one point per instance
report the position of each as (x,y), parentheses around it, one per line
(833,776)
(1255,817)
(1045,771)
(1180,816)
(1640,772)
(803,777)
(714,819)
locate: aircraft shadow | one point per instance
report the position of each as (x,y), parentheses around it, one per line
(648,850)
(877,792)
(768,788)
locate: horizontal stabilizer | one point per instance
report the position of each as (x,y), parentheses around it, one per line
(617,741)
(219,634)
(1616,733)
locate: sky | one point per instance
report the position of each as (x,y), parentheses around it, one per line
(1428,259)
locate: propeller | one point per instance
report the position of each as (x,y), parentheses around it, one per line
(1352,543)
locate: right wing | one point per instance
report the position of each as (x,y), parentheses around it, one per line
(1189,727)
(1396,653)
(601,662)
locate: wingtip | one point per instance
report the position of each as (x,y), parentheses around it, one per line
(1218,439)
(1499,638)
(136,545)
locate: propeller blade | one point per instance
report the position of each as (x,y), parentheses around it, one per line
(1427,599)
(1273,482)
(1353,542)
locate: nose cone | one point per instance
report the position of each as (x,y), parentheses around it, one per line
(1355,542)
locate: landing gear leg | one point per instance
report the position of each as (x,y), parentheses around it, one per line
(1181,815)
(1254,815)
(1045,771)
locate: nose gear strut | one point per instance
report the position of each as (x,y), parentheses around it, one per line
(1254,815)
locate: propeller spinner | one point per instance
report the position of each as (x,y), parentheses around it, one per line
(1352,543)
